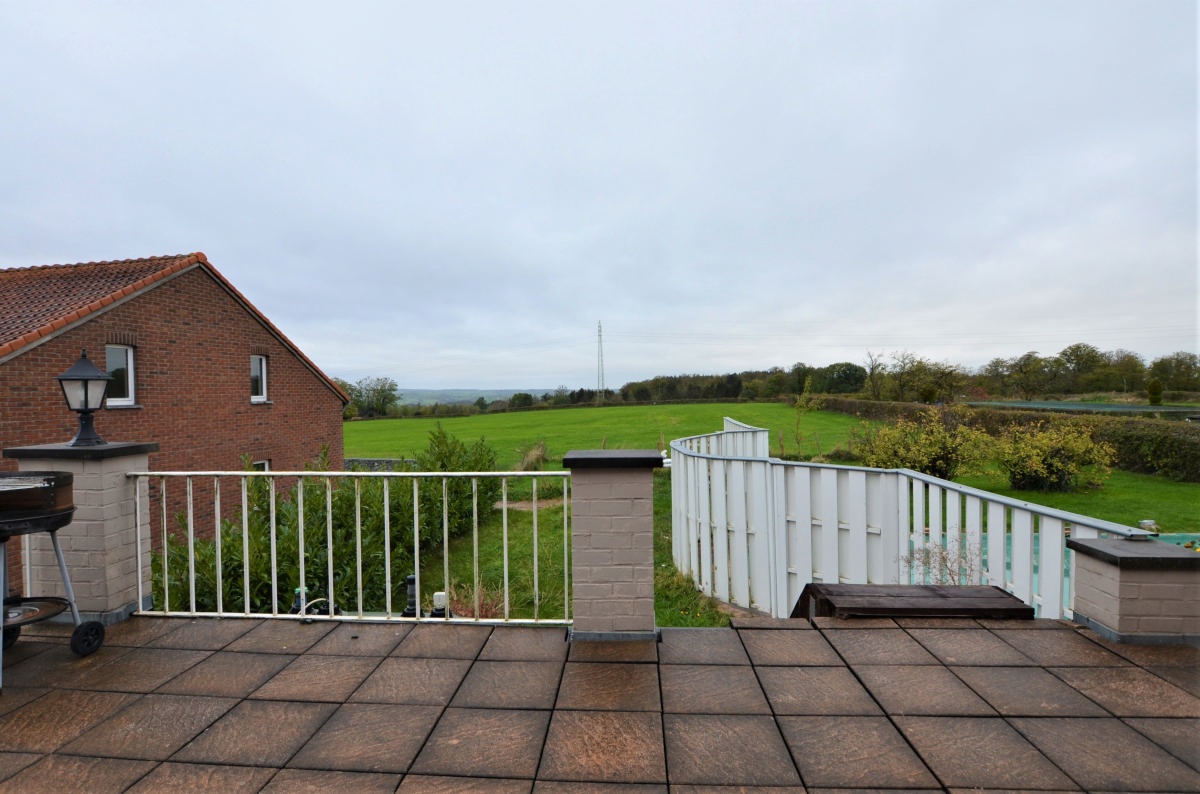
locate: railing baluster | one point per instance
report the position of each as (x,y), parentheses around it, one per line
(162,496)
(446,534)
(302,585)
(274,552)
(217,543)
(358,557)
(191,544)
(475,581)
(387,546)
(245,546)
(504,530)
(416,535)
(537,601)
(329,605)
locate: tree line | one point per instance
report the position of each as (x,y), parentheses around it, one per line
(900,376)
(904,376)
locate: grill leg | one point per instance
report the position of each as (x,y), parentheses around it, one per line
(62,569)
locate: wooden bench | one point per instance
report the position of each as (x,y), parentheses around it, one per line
(915,600)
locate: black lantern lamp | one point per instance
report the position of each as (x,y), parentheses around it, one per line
(84,387)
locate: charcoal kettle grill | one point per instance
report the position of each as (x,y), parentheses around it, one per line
(31,502)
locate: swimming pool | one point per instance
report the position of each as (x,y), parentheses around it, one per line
(1181,539)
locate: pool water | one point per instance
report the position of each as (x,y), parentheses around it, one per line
(1181,539)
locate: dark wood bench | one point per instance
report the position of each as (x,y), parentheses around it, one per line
(908,600)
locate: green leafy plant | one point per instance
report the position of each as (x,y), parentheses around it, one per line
(938,442)
(1051,456)
(1154,391)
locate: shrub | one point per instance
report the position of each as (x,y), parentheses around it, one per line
(1050,456)
(1154,391)
(938,442)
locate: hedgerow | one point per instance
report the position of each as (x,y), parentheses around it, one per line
(1141,444)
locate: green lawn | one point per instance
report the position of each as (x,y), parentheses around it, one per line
(1125,498)
(615,427)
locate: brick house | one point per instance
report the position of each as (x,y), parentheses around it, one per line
(196,367)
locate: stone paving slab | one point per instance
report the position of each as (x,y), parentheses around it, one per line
(609,686)
(907,705)
(368,737)
(604,747)
(712,689)
(182,778)
(317,781)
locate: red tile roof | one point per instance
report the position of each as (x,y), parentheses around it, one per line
(37,303)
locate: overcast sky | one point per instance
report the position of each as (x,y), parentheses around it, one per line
(455,194)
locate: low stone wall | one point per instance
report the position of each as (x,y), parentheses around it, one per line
(1137,591)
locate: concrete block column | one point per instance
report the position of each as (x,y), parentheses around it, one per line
(1140,592)
(612,543)
(100,544)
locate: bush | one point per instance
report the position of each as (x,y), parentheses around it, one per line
(1050,456)
(1154,391)
(938,442)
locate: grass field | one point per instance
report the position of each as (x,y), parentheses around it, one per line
(1125,499)
(615,427)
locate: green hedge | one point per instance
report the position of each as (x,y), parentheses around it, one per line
(1145,446)
(1154,446)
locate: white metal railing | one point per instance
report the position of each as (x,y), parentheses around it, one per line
(754,530)
(314,544)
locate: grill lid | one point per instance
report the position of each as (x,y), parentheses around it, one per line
(34,490)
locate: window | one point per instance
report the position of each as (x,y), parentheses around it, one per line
(118,362)
(258,379)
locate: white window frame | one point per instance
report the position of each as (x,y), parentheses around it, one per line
(261,395)
(130,380)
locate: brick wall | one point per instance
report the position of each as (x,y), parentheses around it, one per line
(612,542)
(192,345)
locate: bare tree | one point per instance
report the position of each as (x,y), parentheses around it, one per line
(876,371)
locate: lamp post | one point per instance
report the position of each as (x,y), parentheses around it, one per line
(84,386)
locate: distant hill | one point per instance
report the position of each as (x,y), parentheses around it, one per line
(460,396)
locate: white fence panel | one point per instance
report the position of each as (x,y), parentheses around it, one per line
(754,530)
(732,535)
(758,534)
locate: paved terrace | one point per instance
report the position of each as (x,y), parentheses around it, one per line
(915,705)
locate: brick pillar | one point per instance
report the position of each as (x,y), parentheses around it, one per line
(100,544)
(1140,592)
(612,543)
